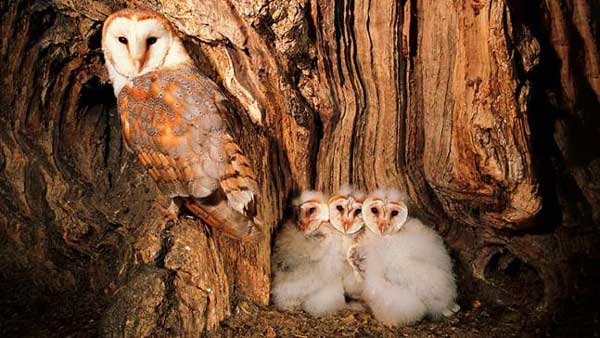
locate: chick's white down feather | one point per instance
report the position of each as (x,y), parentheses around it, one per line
(352,281)
(350,190)
(390,194)
(308,271)
(308,195)
(408,275)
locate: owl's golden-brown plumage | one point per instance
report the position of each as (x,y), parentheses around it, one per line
(173,120)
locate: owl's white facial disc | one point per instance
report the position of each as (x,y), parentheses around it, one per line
(345,214)
(311,215)
(384,217)
(135,46)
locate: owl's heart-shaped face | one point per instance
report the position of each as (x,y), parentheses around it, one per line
(345,214)
(136,42)
(384,216)
(311,215)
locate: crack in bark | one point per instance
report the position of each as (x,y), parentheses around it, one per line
(433,99)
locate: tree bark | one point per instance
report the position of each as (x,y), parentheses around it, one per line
(485,112)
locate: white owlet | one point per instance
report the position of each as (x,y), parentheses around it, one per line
(306,260)
(407,270)
(345,213)
(172,118)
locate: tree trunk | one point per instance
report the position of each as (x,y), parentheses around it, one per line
(485,112)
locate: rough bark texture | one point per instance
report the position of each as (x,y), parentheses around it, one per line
(486,112)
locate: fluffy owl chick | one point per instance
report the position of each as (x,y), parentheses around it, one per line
(306,260)
(172,118)
(306,230)
(407,270)
(345,213)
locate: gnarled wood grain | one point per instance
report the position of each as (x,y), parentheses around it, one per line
(484,111)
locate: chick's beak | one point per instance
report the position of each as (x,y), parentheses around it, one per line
(383,225)
(304,224)
(347,223)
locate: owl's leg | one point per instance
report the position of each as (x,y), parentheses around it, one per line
(226,220)
(356,260)
(451,310)
(355,306)
(170,213)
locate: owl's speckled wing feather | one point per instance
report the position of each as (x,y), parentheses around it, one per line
(172,121)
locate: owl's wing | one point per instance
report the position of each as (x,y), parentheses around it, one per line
(239,181)
(172,120)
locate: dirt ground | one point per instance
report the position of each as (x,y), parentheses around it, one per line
(251,321)
(74,315)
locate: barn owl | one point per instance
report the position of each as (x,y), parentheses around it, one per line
(172,119)
(385,211)
(307,263)
(407,270)
(345,212)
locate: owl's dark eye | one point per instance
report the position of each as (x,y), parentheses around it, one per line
(357,212)
(312,211)
(339,208)
(151,40)
(394,213)
(374,211)
(123,40)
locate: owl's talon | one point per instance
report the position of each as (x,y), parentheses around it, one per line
(170,213)
(355,259)
(455,308)
(355,306)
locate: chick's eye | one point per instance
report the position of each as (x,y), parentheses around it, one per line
(123,40)
(339,208)
(151,40)
(394,213)
(374,211)
(312,211)
(357,212)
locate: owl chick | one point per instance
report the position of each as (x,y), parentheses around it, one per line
(172,119)
(345,213)
(407,270)
(306,260)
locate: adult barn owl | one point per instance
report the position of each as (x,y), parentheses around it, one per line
(407,270)
(171,117)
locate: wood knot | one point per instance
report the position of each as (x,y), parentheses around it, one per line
(474,82)
(477,5)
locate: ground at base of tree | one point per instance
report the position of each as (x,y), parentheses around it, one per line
(27,312)
(252,321)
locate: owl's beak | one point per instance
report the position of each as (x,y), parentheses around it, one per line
(306,229)
(382,226)
(138,63)
(347,223)
(304,224)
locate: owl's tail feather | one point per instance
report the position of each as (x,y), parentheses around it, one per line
(223,218)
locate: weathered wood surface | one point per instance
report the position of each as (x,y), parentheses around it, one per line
(484,111)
